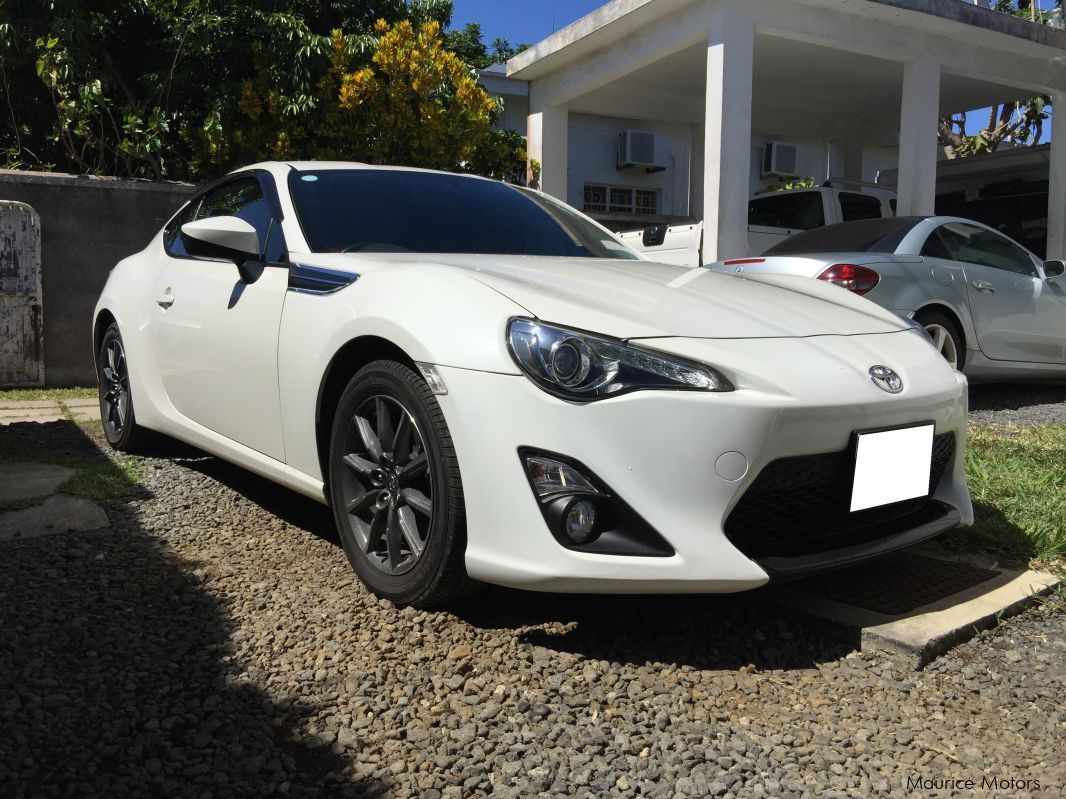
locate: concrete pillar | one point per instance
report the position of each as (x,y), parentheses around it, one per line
(850,149)
(546,141)
(1056,198)
(727,133)
(919,113)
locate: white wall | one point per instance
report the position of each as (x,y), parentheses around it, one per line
(593,158)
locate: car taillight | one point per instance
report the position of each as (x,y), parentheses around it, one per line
(859,279)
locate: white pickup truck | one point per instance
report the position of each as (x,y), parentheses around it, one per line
(772,217)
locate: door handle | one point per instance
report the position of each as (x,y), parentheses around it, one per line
(165,300)
(984,287)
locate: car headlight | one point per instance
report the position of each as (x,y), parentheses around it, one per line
(576,365)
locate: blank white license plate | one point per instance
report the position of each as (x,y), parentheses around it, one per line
(891,466)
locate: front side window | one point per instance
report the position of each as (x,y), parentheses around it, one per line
(379,210)
(800,211)
(242,198)
(977,245)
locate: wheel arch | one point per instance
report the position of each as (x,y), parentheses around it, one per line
(950,313)
(349,359)
(104,319)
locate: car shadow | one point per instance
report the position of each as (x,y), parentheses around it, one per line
(1013,396)
(119,675)
(707,631)
(997,538)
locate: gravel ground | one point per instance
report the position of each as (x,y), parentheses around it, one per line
(1018,404)
(214,643)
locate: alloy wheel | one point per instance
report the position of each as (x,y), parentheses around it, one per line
(116,388)
(387,486)
(944,342)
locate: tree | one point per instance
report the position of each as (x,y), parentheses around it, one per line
(147,88)
(468,44)
(1020,122)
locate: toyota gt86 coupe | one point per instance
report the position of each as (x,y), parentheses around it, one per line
(486,385)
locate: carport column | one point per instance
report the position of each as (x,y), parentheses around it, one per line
(1056,198)
(727,132)
(919,113)
(546,141)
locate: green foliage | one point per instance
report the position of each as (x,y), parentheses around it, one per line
(795,183)
(181,89)
(467,43)
(1019,122)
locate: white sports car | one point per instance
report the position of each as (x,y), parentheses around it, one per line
(485,385)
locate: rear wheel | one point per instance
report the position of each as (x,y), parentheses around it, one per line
(395,488)
(116,403)
(946,336)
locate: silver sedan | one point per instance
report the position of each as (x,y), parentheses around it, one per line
(992,308)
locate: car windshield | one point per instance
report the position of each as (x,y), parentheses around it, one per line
(385,210)
(867,235)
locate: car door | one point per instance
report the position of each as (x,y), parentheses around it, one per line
(1014,312)
(215,337)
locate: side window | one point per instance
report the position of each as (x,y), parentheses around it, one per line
(799,211)
(934,247)
(976,245)
(172,242)
(242,198)
(859,206)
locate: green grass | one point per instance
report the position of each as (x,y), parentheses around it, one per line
(98,477)
(56,394)
(1017,479)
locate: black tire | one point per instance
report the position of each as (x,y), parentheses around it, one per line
(116,401)
(395,488)
(935,321)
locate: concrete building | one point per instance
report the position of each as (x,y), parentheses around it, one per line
(856,86)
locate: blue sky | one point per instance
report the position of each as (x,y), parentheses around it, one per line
(520,21)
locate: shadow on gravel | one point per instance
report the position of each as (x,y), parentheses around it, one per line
(701,631)
(117,677)
(1013,396)
(293,508)
(707,632)
(993,535)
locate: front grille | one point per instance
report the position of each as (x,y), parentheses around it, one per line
(801,506)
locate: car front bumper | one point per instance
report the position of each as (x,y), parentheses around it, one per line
(673,455)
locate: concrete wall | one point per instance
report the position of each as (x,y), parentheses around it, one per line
(593,158)
(87,226)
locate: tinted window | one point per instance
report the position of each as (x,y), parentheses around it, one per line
(242,198)
(867,235)
(171,240)
(977,245)
(934,247)
(800,211)
(374,210)
(858,206)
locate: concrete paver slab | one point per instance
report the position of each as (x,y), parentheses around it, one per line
(39,415)
(912,624)
(88,402)
(28,480)
(58,514)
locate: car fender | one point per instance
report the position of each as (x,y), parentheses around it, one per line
(907,287)
(444,318)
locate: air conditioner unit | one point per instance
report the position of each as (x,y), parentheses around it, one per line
(636,148)
(779,159)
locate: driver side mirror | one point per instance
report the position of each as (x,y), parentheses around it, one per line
(225,237)
(1054,269)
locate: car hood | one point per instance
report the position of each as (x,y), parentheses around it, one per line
(642,299)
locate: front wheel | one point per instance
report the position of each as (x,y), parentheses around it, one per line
(395,488)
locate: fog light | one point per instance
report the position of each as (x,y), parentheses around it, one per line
(579,521)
